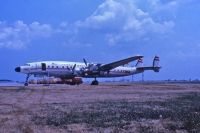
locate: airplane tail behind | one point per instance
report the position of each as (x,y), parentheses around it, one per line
(155,67)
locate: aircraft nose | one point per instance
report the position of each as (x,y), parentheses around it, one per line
(17,69)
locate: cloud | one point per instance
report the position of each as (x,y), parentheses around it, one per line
(159,5)
(113,22)
(123,21)
(169,5)
(19,34)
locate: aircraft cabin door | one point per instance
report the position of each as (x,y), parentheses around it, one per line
(44,67)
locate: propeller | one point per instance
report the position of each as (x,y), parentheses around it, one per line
(85,62)
(74,69)
(90,68)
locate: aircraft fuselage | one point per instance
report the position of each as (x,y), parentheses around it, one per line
(63,69)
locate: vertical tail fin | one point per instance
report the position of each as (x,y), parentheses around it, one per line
(156,62)
(139,63)
(156,67)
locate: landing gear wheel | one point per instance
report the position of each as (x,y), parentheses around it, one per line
(26,84)
(95,82)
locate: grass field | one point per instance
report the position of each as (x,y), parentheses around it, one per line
(105,108)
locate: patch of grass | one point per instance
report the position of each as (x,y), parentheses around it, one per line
(184,109)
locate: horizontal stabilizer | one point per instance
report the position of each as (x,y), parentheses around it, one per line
(155,67)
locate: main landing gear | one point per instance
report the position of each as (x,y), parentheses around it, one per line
(95,82)
(26,82)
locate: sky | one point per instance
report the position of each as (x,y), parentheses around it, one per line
(102,31)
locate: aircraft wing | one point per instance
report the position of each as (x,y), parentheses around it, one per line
(107,67)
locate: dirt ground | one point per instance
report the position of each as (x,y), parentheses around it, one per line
(109,107)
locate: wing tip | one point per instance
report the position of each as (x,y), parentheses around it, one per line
(139,56)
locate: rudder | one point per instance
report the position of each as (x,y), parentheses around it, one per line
(156,62)
(139,63)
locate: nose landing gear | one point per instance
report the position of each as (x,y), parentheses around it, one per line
(26,82)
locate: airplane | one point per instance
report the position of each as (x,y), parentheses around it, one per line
(69,70)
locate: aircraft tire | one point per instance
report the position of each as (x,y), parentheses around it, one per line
(95,82)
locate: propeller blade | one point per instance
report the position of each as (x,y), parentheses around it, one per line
(85,62)
(74,67)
